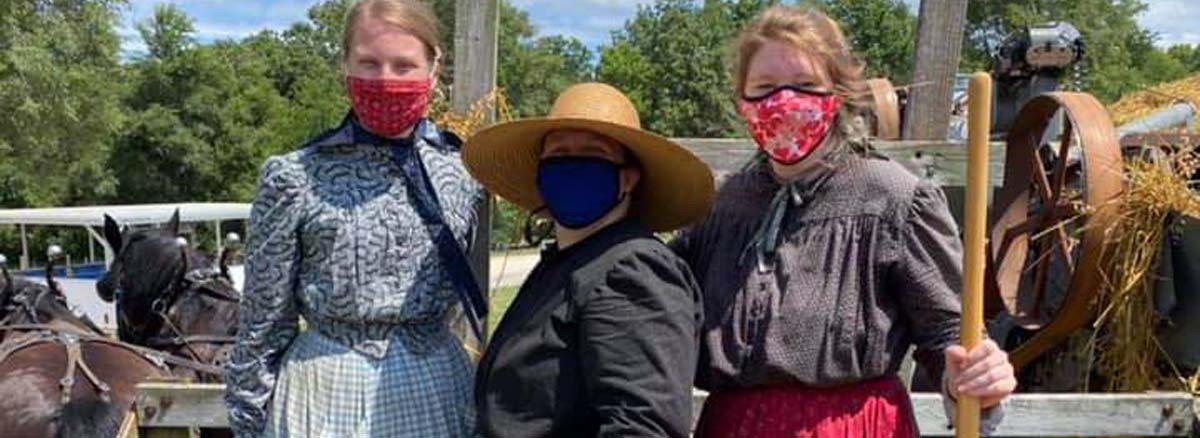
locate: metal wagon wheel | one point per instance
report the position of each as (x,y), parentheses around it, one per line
(1047,235)
(887,108)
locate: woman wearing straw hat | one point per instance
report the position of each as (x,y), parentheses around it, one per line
(602,338)
(821,262)
(361,233)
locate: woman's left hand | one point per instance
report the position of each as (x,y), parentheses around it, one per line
(983,373)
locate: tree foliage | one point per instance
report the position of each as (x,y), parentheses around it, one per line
(532,71)
(187,121)
(60,86)
(882,32)
(202,118)
(672,59)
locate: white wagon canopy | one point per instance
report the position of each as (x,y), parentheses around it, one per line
(79,279)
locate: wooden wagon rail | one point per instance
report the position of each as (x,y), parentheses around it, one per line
(169,409)
(941,162)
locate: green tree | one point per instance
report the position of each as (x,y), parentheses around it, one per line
(60,88)
(883,33)
(672,59)
(532,71)
(169,33)
(202,118)
(1188,55)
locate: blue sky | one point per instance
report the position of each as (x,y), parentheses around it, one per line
(589,20)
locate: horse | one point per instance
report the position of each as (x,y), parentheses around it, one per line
(168,297)
(59,375)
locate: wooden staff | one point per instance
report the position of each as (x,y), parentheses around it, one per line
(979,118)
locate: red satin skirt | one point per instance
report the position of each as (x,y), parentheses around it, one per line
(873,409)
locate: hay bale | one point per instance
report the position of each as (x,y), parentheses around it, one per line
(1141,103)
(1128,352)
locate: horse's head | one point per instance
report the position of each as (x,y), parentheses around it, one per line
(151,254)
(168,296)
(202,320)
(196,317)
(27,302)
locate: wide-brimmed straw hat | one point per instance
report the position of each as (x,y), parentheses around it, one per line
(675,189)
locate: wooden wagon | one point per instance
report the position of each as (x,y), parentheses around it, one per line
(181,409)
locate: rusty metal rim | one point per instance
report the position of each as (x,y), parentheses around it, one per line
(887,109)
(1102,167)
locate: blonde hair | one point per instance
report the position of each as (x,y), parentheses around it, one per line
(412,16)
(815,33)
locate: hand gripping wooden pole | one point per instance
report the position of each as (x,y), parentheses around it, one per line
(979,118)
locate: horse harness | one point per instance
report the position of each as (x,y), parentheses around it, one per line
(72,341)
(22,304)
(197,281)
(72,338)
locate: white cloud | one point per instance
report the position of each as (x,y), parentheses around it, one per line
(1175,21)
(209,32)
(592,21)
(216,19)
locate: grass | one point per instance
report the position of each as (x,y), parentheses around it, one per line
(501,298)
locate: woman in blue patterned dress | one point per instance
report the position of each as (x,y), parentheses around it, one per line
(352,232)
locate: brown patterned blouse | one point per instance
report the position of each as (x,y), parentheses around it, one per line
(867,262)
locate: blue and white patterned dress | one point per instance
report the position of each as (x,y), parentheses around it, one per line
(334,237)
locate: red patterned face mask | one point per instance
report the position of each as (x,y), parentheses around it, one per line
(788,124)
(389,107)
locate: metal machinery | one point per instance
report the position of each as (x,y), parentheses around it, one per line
(1030,63)
(1062,165)
(1033,61)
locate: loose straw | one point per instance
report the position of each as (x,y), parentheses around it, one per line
(979,118)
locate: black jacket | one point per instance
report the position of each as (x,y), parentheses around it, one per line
(601,341)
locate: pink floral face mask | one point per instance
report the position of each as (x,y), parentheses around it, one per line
(789,123)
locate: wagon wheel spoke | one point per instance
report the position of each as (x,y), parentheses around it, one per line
(1041,271)
(1060,178)
(1060,166)
(1011,234)
(1069,215)
(1064,246)
(1041,183)
(1050,193)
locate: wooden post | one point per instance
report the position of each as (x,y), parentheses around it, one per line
(975,229)
(940,30)
(477,26)
(24,262)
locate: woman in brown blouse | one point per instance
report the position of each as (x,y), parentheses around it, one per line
(821,263)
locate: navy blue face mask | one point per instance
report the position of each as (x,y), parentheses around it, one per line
(579,191)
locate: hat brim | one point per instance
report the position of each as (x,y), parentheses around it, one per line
(676,187)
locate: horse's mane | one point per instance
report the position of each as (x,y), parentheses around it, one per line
(160,261)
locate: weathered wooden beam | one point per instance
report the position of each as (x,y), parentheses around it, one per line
(1091,415)
(184,405)
(942,162)
(177,405)
(1065,415)
(477,25)
(940,27)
